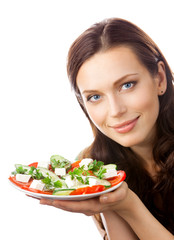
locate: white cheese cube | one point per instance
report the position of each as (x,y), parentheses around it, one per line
(110,173)
(85,162)
(60,171)
(72,182)
(43,164)
(92,181)
(37,184)
(23,177)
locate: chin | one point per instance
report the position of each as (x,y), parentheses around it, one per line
(127,142)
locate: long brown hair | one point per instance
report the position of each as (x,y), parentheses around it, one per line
(101,37)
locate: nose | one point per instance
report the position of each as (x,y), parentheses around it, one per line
(116,106)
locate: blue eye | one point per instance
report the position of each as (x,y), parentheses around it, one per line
(128,85)
(94,98)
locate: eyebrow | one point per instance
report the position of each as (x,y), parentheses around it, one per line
(115,83)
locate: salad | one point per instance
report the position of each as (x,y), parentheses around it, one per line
(61,177)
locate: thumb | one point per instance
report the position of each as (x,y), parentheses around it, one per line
(115,196)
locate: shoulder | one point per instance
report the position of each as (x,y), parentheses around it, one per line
(85,153)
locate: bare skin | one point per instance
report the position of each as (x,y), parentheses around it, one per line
(120,97)
(124,203)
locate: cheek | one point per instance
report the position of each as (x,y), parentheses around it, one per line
(148,104)
(97,116)
(145,99)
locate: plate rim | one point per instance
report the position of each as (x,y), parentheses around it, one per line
(64,197)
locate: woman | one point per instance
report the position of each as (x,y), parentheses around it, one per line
(124,86)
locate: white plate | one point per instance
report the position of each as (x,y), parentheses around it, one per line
(69,197)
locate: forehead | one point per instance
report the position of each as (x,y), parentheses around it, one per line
(109,65)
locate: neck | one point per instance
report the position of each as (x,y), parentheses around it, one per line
(145,149)
(146,154)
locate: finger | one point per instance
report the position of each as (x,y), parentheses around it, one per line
(74,206)
(88,207)
(115,196)
(70,206)
(38,198)
(45,201)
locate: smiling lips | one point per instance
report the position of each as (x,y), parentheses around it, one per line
(125,126)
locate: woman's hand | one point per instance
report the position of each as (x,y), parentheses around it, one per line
(126,204)
(118,200)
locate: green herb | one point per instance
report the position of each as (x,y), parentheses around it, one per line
(100,173)
(58,161)
(78,173)
(51,185)
(58,184)
(62,164)
(34,172)
(54,163)
(21,170)
(37,174)
(80,179)
(47,181)
(31,170)
(95,166)
(87,181)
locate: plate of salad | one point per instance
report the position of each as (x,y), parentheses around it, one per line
(60,179)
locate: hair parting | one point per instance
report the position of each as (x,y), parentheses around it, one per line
(112,33)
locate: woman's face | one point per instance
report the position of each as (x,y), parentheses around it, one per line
(120,96)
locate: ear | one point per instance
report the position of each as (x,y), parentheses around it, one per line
(161,78)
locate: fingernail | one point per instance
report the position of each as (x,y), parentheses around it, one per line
(42,202)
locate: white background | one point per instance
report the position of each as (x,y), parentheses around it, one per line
(39,115)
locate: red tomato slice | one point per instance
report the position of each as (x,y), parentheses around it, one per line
(20,184)
(88,190)
(26,186)
(121,175)
(75,165)
(50,168)
(35,164)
